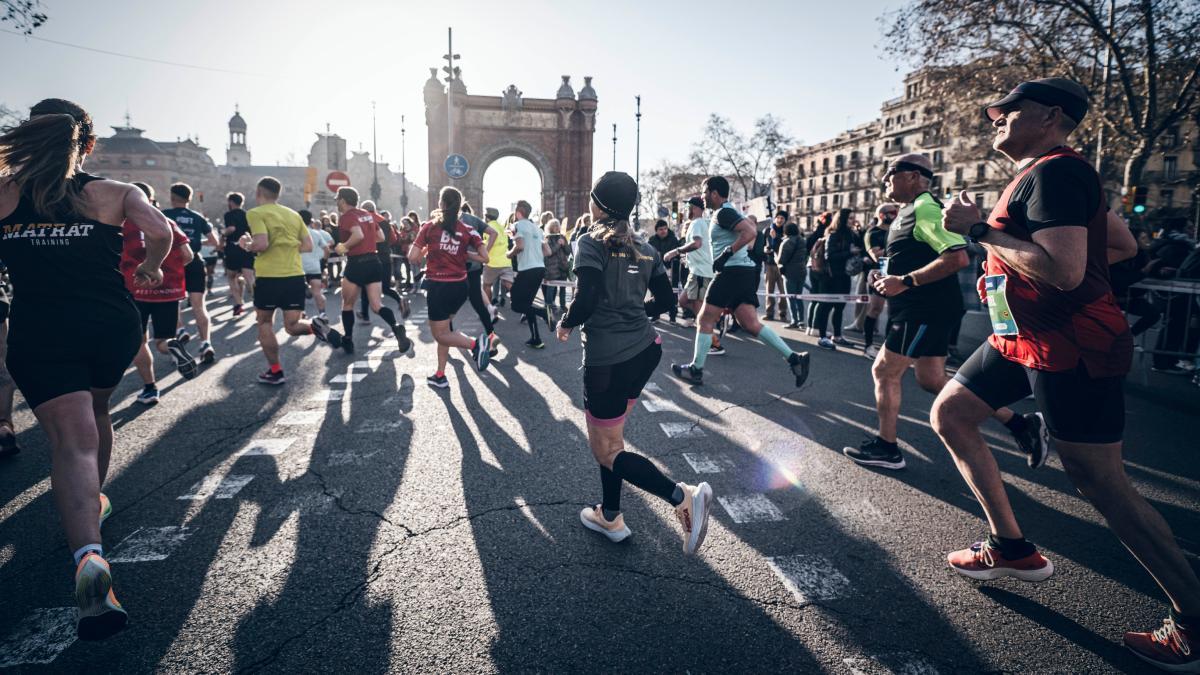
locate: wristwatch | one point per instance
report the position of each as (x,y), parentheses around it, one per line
(978,231)
(908,280)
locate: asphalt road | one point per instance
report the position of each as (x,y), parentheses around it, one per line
(403,528)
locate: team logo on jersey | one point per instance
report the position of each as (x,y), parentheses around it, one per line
(48,234)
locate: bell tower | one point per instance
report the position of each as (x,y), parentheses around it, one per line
(237,154)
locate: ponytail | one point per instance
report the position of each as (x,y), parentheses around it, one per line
(451,201)
(614,233)
(42,154)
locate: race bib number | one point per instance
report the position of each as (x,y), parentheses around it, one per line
(1003,323)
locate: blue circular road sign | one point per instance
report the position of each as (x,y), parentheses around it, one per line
(457,166)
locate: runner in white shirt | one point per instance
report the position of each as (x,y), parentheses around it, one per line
(311,260)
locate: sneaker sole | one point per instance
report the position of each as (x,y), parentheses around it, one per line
(148,401)
(1001,572)
(701,507)
(881,463)
(272,382)
(184,362)
(1168,667)
(615,537)
(1044,437)
(97,620)
(208,357)
(439,385)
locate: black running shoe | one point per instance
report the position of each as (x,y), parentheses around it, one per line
(480,353)
(183,336)
(872,452)
(322,331)
(272,378)
(402,342)
(535,344)
(207,353)
(183,361)
(716,350)
(798,362)
(1034,441)
(688,373)
(438,381)
(347,345)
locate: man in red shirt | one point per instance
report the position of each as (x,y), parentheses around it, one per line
(359,233)
(1058,334)
(160,303)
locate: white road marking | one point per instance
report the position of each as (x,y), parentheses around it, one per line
(751,508)
(302,418)
(702,463)
(810,578)
(374,426)
(266,446)
(891,664)
(349,377)
(328,395)
(148,544)
(360,365)
(217,487)
(659,405)
(681,430)
(311,504)
(653,387)
(40,637)
(724,387)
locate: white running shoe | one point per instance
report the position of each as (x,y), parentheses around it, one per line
(693,514)
(593,519)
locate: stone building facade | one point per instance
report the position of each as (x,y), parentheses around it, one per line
(128,155)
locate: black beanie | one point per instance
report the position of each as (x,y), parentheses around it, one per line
(615,193)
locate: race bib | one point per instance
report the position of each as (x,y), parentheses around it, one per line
(1003,323)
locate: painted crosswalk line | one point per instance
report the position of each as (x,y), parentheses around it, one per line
(751,508)
(681,430)
(328,395)
(298,418)
(360,365)
(702,463)
(659,405)
(310,504)
(40,637)
(348,377)
(810,578)
(217,487)
(653,387)
(148,544)
(374,426)
(266,446)
(891,664)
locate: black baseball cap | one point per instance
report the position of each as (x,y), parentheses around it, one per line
(1052,91)
(696,202)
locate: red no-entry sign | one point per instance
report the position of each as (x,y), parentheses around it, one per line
(335,180)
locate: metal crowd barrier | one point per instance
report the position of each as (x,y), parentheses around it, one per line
(1173,308)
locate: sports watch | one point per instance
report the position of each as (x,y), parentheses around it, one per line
(978,231)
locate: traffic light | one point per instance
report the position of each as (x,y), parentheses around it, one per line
(1139,199)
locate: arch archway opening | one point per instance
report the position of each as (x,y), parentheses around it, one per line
(509,179)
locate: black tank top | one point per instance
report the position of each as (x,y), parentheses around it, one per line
(64,269)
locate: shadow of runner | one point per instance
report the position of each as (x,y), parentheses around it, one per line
(340,503)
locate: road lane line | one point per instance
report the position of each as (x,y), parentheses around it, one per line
(810,578)
(751,508)
(328,395)
(702,463)
(298,418)
(653,387)
(217,487)
(681,430)
(266,446)
(148,544)
(660,405)
(40,637)
(348,377)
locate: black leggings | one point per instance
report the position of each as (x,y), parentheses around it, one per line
(475,295)
(549,293)
(838,284)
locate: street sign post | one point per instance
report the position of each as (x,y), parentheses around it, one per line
(457,166)
(335,180)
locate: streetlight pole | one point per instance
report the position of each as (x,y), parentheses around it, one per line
(403,170)
(375,189)
(614,146)
(637,163)
(450,57)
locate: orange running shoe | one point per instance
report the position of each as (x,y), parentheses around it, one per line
(100,615)
(984,563)
(1168,648)
(105,508)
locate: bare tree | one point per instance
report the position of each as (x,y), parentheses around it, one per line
(8,117)
(24,15)
(749,160)
(657,182)
(981,48)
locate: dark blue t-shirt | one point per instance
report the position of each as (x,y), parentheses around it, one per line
(193,225)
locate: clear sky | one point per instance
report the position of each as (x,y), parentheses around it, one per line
(300,64)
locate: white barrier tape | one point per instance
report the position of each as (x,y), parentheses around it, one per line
(1183,287)
(815,297)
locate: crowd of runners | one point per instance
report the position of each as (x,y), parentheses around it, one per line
(82,250)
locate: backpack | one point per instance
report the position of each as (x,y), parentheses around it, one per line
(816,257)
(756,250)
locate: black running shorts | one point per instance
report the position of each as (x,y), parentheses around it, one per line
(286,293)
(312,277)
(195,276)
(915,339)
(608,391)
(363,269)
(1078,408)
(238,258)
(44,372)
(164,314)
(733,286)
(525,288)
(444,298)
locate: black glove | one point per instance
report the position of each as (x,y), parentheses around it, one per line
(719,261)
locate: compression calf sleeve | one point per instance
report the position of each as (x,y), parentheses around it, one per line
(703,343)
(770,337)
(639,471)
(611,486)
(348,323)
(388,317)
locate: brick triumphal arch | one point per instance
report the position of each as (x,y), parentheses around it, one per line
(552,134)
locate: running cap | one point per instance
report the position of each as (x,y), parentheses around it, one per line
(696,202)
(615,193)
(902,165)
(1052,91)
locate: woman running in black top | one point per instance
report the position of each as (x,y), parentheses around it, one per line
(61,239)
(620,352)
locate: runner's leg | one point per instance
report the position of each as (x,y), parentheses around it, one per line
(266,335)
(70,424)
